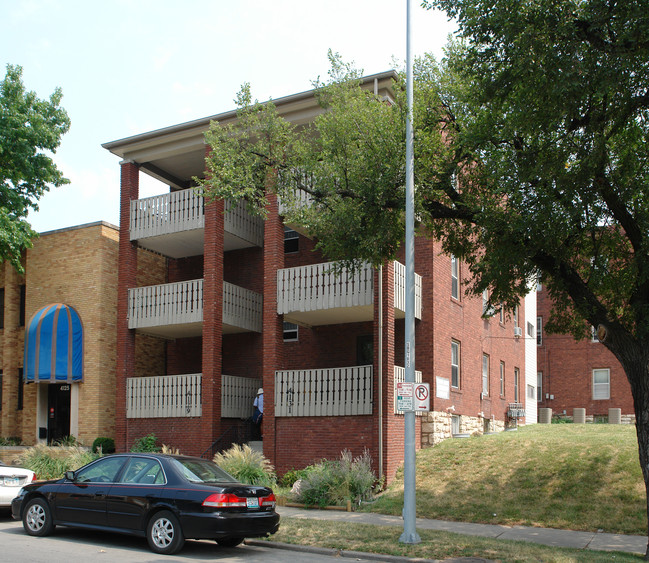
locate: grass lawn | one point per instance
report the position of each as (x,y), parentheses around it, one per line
(569,476)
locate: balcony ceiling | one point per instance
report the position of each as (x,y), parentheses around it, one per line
(338,315)
(188,243)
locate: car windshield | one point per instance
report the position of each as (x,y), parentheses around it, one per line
(202,471)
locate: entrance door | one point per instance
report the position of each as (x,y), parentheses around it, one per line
(58,412)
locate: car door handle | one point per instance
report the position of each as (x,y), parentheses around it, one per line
(99,494)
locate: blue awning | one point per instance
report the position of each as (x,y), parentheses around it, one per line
(54,345)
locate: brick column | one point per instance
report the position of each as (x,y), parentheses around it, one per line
(11,354)
(212,323)
(272,337)
(126,278)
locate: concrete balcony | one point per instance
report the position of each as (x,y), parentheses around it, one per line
(175,310)
(173,224)
(316,295)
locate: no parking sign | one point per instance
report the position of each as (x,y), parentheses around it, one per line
(413,397)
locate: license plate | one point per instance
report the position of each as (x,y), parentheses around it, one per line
(252,502)
(11,481)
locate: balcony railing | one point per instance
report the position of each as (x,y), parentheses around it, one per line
(173,396)
(182,303)
(169,396)
(343,391)
(180,211)
(318,286)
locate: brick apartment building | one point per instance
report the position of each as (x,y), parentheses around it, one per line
(245,303)
(64,308)
(580,374)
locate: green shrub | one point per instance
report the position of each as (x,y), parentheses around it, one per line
(334,482)
(146,444)
(247,465)
(51,462)
(288,479)
(11,441)
(103,445)
(67,441)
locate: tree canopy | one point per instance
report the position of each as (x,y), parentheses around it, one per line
(30,129)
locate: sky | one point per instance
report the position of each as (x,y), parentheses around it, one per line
(131,66)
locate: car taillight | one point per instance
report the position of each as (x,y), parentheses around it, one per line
(224,500)
(268,501)
(33,477)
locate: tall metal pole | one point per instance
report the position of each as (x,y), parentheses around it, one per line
(409,534)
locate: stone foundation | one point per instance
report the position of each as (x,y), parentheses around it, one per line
(436,427)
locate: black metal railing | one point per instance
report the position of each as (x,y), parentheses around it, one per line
(242,433)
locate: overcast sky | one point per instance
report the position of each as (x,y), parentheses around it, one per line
(131,66)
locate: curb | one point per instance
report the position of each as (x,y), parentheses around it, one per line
(332,552)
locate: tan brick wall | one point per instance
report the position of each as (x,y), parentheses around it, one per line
(77,267)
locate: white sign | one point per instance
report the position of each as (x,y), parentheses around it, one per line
(413,397)
(443,387)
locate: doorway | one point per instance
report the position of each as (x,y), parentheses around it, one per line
(58,412)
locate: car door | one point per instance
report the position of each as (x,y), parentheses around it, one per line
(83,500)
(141,483)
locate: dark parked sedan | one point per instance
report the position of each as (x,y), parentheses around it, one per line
(166,498)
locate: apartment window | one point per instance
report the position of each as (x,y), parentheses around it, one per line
(291,241)
(502,379)
(530,330)
(516,316)
(455,364)
(539,386)
(485,303)
(601,384)
(23,299)
(539,331)
(290,332)
(364,350)
(539,282)
(485,374)
(455,424)
(502,315)
(593,334)
(2,308)
(455,277)
(20,389)
(517,375)
(531,392)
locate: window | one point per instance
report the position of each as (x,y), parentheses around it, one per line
(23,298)
(516,316)
(530,330)
(103,470)
(291,241)
(144,471)
(19,406)
(290,332)
(485,374)
(531,392)
(455,424)
(502,315)
(539,331)
(502,379)
(455,277)
(593,334)
(364,350)
(455,364)
(601,384)
(539,282)
(517,375)
(539,386)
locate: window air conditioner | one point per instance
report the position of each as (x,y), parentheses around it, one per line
(518,331)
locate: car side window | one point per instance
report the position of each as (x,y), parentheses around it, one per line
(102,471)
(143,471)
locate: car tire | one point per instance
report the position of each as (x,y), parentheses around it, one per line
(164,533)
(37,518)
(229,542)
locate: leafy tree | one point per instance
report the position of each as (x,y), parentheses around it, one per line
(29,129)
(531,157)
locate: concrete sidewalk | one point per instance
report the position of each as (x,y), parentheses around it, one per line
(545,536)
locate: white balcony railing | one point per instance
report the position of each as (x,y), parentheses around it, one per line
(400,289)
(168,396)
(324,392)
(400,377)
(182,303)
(318,286)
(183,210)
(237,395)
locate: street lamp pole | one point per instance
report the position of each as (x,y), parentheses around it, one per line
(409,534)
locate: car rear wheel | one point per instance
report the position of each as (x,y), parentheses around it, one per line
(37,518)
(164,534)
(229,542)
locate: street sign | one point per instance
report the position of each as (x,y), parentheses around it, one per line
(413,397)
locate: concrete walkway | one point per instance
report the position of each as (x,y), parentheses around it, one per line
(545,536)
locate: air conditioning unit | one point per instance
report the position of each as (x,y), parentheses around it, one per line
(518,331)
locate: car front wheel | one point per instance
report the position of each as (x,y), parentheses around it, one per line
(164,534)
(37,518)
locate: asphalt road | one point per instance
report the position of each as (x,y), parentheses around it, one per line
(67,545)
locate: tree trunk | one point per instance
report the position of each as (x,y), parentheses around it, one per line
(635,361)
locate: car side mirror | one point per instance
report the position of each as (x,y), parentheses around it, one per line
(69,475)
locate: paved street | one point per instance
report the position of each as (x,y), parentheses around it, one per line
(68,544)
